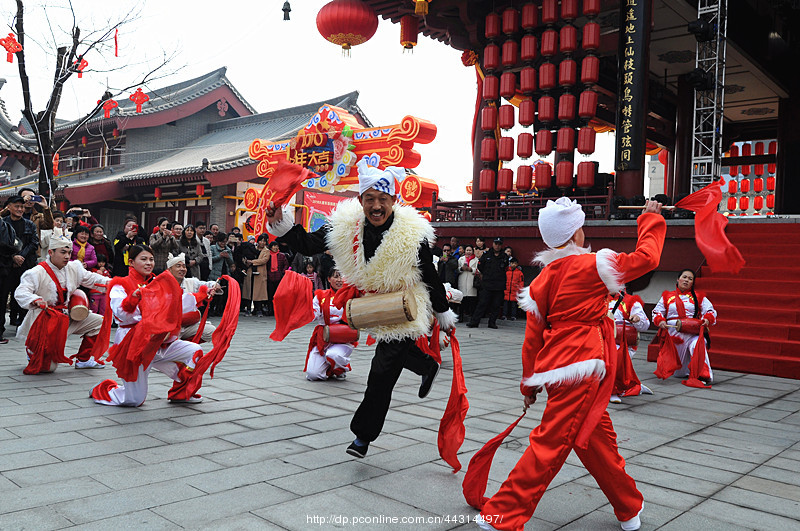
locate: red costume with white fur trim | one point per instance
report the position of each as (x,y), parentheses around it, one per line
(569,349)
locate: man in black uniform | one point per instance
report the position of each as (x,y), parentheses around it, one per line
(492,266)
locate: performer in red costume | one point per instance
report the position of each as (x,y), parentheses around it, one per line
(569,350)
(327,360)
(148,312)
(674,307)
(630,319)
(46,290)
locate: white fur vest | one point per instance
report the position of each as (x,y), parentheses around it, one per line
(394,266)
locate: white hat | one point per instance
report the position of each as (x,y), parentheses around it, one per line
(380,180)
(59,242)
(172,260)
(559,220)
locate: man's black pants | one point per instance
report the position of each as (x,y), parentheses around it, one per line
(391,357)
(489,300)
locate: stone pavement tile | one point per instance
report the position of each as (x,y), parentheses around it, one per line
(234,477)
(705,403)
(200,510)
(733,395)
(736,441)
(251,437)
(25,459)
(142,474)
(39,475)
(135,521)
(115,431)
(31,497)
(38,518)
(568,502)
(326,456)
(422,410)
(741,515)
(41,427)
(780,468)
(253,454)
(7,484)
(693,520)
(773,486)
(766,413)
(242,522)
(642,440)
(229,415)
(405,457)
(717,447)
(333,437)
(707,458)
(118,502)
(327,477)
(272,409)
(785,405)
(42,408)
(391,441)
(345,507)
(211,405)
(151,410)
(767,439)
(87,409)
(662,496)
(22,420)
(757,426)
(290,417)
(62,393)
(184,434)
(93,449)
(758,380)
(43,442)
(670,480)
(319,408)
(653,517)
(159,454)
(690,470)
(741,389)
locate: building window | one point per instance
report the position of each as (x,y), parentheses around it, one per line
(115,155)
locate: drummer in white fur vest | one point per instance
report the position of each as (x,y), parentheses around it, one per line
(195,291)
(51,284)
(380,247)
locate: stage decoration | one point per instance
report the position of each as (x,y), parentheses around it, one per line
(409,29)
(11,45)
(80,66)
(108,106)
(347,23)
(139,98)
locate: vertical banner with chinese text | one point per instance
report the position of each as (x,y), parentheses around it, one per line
(632,82)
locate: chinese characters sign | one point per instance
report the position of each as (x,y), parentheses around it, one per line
(632,81)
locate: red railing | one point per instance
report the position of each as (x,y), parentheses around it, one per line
(514,208)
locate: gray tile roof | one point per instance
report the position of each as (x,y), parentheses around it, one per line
(10,139)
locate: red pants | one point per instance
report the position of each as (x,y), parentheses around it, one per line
(551,442)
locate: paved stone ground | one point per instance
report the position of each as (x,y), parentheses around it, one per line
(266,448)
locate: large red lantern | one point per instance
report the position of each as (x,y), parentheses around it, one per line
(409,29)
(565,141)
(510,21)
(549,43)
(544,142)
(524,178)
(591,8)
(347,22)
(569,9)
(491,57)
(506,116)
(505,148)
(505,180)
(530,16)
(566,107)
(569,39)
(510,53)
(586,174)
(527,112)
(493,22)
(547,76)
(544,176)
(587,108)
(491,88)
(547,109)
(200,190)
(527,80)
(488,149)
(564,174)
(586,140)
(489,118)
(508,85)
(590,69)
(591,36)
(525,145)
(528,48)
(567,72)
(549,11)
(486,183)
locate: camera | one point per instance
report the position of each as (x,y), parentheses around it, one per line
(37,198)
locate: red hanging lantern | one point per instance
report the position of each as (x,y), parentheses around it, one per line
(63,206)
(747,149)
(489,118)
(505,148)
(139,98)
(733,171)
(591,36)
(772,150)
(488,149)
(566,107)
(528,48)
(564,174)
(510,21)
(527,112)
(746,170)
(567,72)
(544,142)
(549,11)
(549,43)
(590,70)
(770,184)
(505,180)
(544,176)
(409,29)
(547,109)
(586,140)
(569,9)
(732,186)
(587,171)
(731,204)
(525,145)
(587,107)
(493,24)
(524,178)
(591,8)
(491,88)
(80,66)
(510,53)
(759,148)
(508,85)
(56,159)
(530,16)
(734,151)
(565,141)
(771,201)
(758,203)
(568,37)
(347,23)
(11,45)
(744,203)
(157,192)
(547,76)
(758,169)
(487,181)
(84,141)
(527,80)
(758,185)
(108,105)
(491,57)
(200,190)
(744,186)
(115,133)
(506,116)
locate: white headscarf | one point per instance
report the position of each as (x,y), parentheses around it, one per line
(172,260)
(559,220)
(381,180)
(59,242)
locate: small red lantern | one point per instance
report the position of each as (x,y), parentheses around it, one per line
(590,70)
(549,43)
(491,57)
(527,80)
(200,190)
(547,109)
(759,148)
(758,185)
(586,140)
(744,186)
(488,118)
(746,170)
(508,85)
(529,19)
(587,170)
(549,11)
(547,76)
(731,203)
(510,53)
(544,142)
(591,8)
(505,148)
(732,186)
(758,169)
(747,149)
(771,201)
(525,145)
(505,180)
(11,45)
(569,9)
(409,29)
(487,181)
(564,174)
(567,72)
(55,164)
(587,107)
(488,149)
(733,171)
(510,21)
(157,192)
(524,178)
(527,112)
(569,39)
(139,98)
(84,141)
(566,107)
(528,48)
(491,88)
(347,22)
(565,141)
(544,176)
(506,116)
(772,150)
(493,23)
(770,184)
(744,203)
(758,203)
(591,36)
(115,133)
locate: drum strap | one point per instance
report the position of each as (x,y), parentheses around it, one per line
(616,306)
(61,292)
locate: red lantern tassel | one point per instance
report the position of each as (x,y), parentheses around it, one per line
(116,42)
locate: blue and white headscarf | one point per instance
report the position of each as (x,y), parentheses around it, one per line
(381,180)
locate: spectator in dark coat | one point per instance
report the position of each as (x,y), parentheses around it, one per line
(26,247)
(126,238)
(101,244)
(492,267)
(448,266)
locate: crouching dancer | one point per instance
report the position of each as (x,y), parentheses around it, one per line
(569,350)
(195,291)
(46,290)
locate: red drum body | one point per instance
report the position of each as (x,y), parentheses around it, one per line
(690,326)
(78,306)
(339,333)
(631,335)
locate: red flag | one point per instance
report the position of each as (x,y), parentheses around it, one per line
(293,304)
(668,361)
(697,367)
(474,484)
(284,183)
(46,340)
(451,427)
(709,229)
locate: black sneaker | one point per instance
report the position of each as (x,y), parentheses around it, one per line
(427,381)
(472,325)
(358,450)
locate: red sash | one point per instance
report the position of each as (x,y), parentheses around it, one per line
(61,293)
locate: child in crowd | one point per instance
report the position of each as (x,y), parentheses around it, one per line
(515,279)
(97,299)
(311,274)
